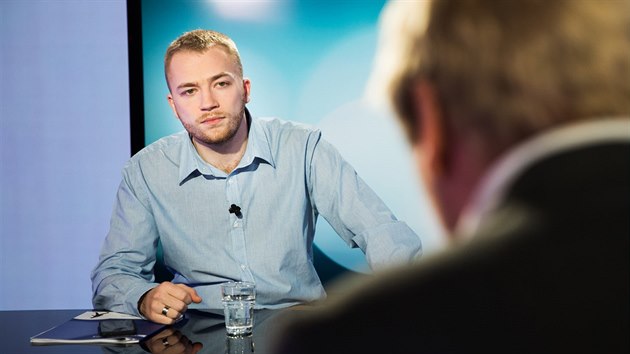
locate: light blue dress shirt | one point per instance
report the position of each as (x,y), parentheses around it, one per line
(287,177)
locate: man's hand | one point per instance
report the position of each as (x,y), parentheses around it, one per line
(167,301)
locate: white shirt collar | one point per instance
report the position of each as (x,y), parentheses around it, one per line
(502,174)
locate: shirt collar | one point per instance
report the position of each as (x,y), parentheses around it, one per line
(502,174)
(258,147)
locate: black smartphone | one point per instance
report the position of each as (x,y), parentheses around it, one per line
(116,328)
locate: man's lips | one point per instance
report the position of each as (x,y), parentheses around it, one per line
(212,120)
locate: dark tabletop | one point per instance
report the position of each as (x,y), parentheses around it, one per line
(200,330)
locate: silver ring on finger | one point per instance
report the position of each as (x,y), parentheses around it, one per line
(165,310)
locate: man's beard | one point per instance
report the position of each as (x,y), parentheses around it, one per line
(226,133)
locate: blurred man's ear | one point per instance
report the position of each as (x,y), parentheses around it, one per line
(431,130)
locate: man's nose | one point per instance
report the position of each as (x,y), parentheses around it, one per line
(208,101)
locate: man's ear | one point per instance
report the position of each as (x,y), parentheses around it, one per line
(432,134)
(171,103)
(246,88)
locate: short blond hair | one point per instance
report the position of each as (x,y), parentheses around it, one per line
(199,41)
(508,69)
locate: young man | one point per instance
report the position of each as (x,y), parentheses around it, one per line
(519,115)
(232,198)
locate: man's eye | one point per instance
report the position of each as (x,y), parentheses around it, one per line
(187,92)
(223,84)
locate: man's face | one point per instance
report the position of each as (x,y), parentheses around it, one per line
(207,94)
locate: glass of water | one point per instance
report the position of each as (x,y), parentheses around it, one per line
(238,305)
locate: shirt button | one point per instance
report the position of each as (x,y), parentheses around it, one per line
(230,181)
(236,224)
(243,267)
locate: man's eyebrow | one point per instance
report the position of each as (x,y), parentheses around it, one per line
(220,75)
(187,84)
(212,78)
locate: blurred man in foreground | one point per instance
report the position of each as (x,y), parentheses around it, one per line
(518,115)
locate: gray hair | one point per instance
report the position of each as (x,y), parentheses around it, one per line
(508,69)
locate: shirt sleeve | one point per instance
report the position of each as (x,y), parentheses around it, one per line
(125,268)
(354,210)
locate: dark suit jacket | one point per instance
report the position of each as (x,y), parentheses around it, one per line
(548,273)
